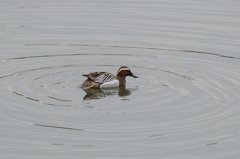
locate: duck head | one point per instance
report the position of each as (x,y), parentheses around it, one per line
(124,71)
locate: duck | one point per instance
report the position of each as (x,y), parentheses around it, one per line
(107,80)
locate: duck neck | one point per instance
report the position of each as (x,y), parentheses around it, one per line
(122,80)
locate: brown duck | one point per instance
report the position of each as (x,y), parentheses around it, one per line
(107,80)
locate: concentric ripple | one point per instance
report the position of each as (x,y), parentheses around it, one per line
(187,102)
(185,105)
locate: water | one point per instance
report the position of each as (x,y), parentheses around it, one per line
(184,105)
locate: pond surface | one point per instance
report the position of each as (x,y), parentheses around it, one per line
(185,103)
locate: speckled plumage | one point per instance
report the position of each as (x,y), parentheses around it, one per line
(107,80)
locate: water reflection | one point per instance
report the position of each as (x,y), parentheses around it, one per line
(102,93)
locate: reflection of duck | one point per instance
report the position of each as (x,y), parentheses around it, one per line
(102,93)
(107,80)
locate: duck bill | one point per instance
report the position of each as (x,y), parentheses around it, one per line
(134,76)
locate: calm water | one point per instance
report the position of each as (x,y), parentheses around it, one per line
(185,104)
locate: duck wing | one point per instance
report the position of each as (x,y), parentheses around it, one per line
(93,75)
(100,77)
(104,77)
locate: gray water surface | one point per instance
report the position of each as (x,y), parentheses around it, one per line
(185,105)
